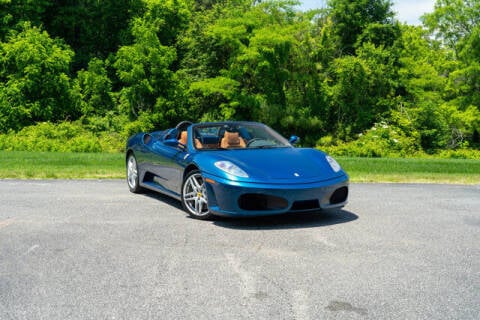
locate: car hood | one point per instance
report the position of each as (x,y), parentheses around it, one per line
(282,165)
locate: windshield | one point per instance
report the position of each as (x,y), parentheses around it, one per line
(238,135)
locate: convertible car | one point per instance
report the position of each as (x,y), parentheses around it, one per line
(234,169)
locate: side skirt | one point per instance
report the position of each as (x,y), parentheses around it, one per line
(152,185)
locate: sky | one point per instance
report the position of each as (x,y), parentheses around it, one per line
(408,11)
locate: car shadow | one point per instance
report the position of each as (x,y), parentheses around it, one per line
(163,198)
(282,221)
(288,221)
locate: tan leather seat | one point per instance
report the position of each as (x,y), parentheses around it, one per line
(183,138)
(232,140)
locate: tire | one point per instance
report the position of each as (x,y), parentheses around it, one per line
(194,196)
(132,174)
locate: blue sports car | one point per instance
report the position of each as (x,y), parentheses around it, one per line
(234,169)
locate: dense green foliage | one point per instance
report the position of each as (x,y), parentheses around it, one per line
(63,137)
(84,75)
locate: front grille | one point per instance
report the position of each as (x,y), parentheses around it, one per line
(261,202)
(305,205)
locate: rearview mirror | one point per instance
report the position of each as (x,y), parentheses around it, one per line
(294,140)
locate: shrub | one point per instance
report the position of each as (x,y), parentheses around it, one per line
(382,140)
(460,154)
(63,137)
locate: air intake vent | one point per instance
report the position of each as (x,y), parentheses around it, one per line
(259,202)
(340,195)
(305,205)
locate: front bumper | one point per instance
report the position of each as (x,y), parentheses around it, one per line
(232,198)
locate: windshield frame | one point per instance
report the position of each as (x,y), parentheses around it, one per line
(208,136)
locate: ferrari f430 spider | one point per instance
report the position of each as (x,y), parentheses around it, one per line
(234,169)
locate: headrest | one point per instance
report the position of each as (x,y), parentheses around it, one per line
(232,137)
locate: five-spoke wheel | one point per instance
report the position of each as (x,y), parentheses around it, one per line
(194,196)
(132,174)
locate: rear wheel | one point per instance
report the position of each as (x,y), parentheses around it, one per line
(194,196)
(132,174)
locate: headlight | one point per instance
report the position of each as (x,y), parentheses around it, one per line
(333,163)
(230,168)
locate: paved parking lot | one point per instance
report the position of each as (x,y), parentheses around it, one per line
(92,250)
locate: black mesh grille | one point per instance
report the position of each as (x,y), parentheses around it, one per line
(259,202)
(305,205)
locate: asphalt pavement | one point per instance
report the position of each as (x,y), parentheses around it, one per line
(92,250)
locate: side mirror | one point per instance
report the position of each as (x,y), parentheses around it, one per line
(294,140)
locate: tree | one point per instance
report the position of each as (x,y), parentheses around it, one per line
(14,13)
(350,110)
(145,68)
(351,18)
(452,21)
(34,80)
(92,28)
(96,89)
(235,44)
(422,83)
(456,24)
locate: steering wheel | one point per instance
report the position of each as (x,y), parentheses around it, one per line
(182,126)
(252,141)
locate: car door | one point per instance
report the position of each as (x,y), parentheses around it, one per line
(165,166)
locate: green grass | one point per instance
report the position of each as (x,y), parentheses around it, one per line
(428,170)
(58,165)
(55,165)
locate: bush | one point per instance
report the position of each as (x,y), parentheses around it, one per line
(63,137)
(35,82)
(382,140)
(460,154)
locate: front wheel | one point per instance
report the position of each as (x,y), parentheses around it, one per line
(132,175)
(194,196)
